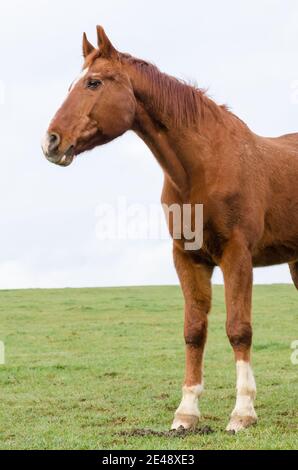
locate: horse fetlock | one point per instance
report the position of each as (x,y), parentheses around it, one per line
(187,414)
(244,407)
(244,414)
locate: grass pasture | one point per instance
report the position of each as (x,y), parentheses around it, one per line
(84,365)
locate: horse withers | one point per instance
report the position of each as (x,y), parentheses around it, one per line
(246,183)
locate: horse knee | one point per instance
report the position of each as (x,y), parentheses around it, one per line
(195,333)
(239,334)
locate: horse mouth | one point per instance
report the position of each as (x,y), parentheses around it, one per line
(68,157)
(96,137)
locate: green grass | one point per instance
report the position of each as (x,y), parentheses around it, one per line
(84,364)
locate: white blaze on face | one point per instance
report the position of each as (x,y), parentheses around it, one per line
(246,390)
(82,75)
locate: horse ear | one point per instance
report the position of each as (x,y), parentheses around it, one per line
(105,46)
(87,46)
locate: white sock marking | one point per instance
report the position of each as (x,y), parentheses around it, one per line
(246,390)
(190,400)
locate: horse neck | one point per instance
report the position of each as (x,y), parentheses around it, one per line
(181,149)
(162,144)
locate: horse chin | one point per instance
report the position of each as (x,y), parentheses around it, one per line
(66,161)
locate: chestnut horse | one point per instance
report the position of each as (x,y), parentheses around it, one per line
(247,184)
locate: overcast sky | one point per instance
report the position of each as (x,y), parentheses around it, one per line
(244,52)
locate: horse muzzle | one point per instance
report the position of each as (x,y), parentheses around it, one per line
(50,146)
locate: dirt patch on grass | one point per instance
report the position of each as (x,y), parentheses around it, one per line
(180,432)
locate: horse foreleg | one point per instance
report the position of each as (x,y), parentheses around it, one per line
(236,265)
(196,286)
(294,273)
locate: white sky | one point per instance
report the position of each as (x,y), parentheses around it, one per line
(246,53)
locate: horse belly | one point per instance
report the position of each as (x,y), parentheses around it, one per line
(279,242)
(275,254)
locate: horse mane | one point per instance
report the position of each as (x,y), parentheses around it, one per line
(176,102)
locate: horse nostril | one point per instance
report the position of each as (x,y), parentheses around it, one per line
(54,140)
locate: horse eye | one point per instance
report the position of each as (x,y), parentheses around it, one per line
(92,84)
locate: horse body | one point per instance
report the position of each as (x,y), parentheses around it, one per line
(278,243)
(246,183)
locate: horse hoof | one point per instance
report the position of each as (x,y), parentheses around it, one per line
(237,423)
(186,421)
